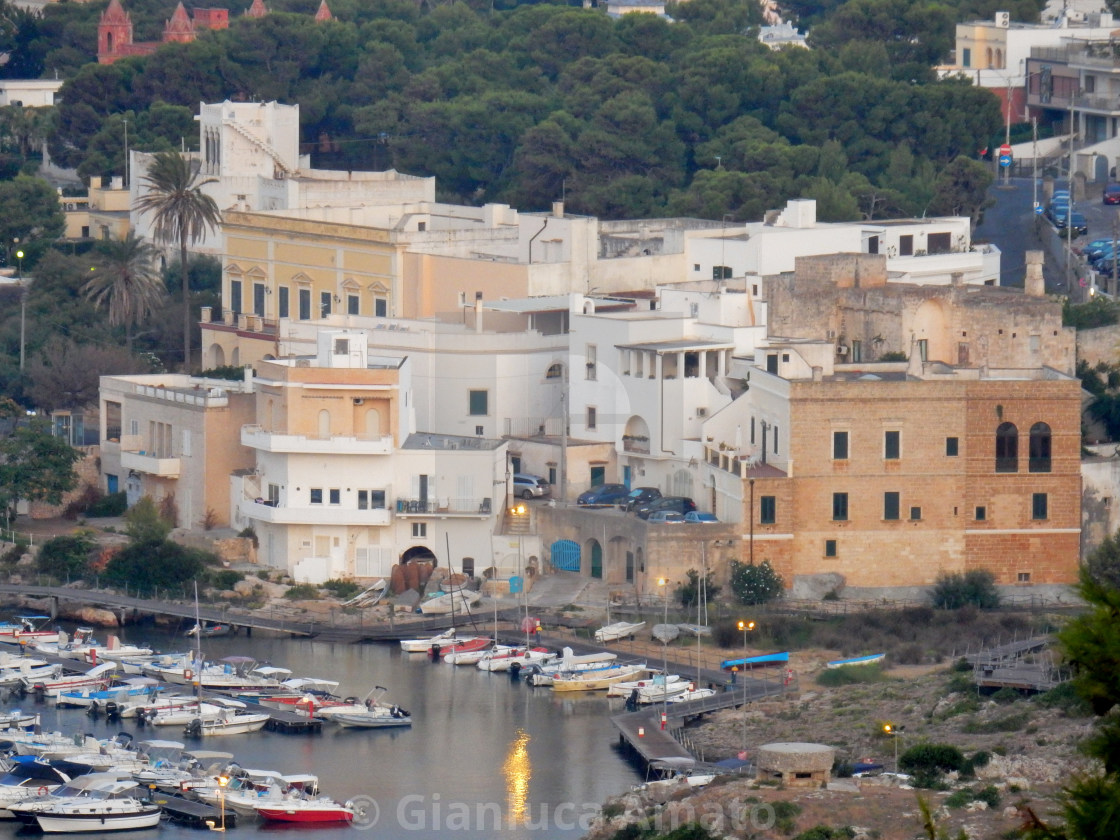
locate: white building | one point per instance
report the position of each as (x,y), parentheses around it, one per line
(29,93)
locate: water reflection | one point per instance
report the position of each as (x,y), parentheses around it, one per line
(518,770)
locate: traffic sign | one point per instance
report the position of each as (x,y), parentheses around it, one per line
(1037,209)
(1004,150)
(1005,160)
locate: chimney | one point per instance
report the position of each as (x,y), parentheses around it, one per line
(1033,283)
(558,209)
(956,278)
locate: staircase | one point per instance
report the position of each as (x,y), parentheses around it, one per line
(260,144)
(520,524)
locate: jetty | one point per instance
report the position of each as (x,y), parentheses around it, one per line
(192,813)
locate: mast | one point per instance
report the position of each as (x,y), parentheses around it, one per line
(450,577)
(197,658)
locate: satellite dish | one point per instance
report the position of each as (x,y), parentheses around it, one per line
(665,633)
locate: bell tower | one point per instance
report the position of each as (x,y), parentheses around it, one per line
(114,33)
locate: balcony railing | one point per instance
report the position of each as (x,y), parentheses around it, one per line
(638,447)
(143,462)
(257,438)
(444,507)
(1007,465)
(266,511)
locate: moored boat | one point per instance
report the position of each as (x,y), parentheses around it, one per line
(460,601)
(446,638)
(598,680)
(618,630)
(623,689)
(307,811)
(856,660)
(227,724)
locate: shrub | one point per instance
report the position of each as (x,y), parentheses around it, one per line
(249,533)
(954,590)
(755,584)
(851,675)
(939,758)
(1066,698)
(111,504)
(1010,723)
(13,554)
(343,589)
(157,565)
(1006,695)
(226,579)
(65,557)
(824,832)
(302,592)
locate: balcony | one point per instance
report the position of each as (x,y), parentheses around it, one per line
(264,511)
(413,508)
(637,445)
(142,462)
(257,438)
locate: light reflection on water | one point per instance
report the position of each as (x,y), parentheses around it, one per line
(486,757)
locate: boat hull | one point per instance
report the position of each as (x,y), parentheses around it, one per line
(69,823)
(597,682)
(306,815)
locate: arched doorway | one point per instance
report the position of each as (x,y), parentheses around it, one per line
(217,356)
(595,553)
(565,556)
(419,554)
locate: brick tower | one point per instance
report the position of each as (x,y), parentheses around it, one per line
(179,28)
(324,12)
(114,33)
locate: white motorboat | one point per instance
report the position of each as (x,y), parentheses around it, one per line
(305,811)
(33,669)
(445,639)
(86,789)
(570,663)
(67,647)
(28,778)
(48,745)
(693,694)
(623,689)
(18,719)
(98,815)
(98,676)
(377,717)
(618,630)
(661,689)
(205,710)
(465,655)
(504,660)
(673,772)
(150,708)
(26,629)
(114,651)
(598,680)
(460,601)
(138,688)
(249,789)
(228,723)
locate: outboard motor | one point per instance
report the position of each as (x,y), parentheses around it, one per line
(194,728)
(112,711)
(94,709)
(434,652)
(515,671)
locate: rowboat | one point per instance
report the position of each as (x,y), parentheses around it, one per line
(447,638)
(858,660)
(503,660)
(459,601)
(765,660)
(623,689)
(618,630)
(599,680)
(693,694)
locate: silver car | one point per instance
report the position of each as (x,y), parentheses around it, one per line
(529,486)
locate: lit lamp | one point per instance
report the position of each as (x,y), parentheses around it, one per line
(745,626)
(892,731)
(222,782)
(664,583)
(22,307)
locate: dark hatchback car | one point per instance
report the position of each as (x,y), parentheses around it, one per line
(1112,194)
(676,504)
(604,494)
(639,496)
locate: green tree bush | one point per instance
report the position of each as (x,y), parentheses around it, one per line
(954,590)
(65,557)
(144,524)
(688,593)
(148,566)
(755,584)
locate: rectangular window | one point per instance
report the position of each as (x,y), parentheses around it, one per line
(775,440)
(1039,506)
(892,445)
(923,349)
(316,495)
(857,351)
(592,418)
(952,447)
(381,308)
(768,510)
(830,548)
(721,272)
(981,513)
(1024,577)
(873,244)
(235,296)
(342,347)
(305,304)
(377,499)
(839,446)
(966,57)
(915,513)
(890,505)
(258,299)
(752,431)
(906,245)
(363,500)
(419,529)
(324,304)
(479,403)
(939,243)
(335,496)
(283,309)
(840,507)
(592,362)
(772,363)
(353,303)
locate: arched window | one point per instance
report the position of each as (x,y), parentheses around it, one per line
(555,371)
(1040,448)
(989,54)
(324,424)
(1007,448)
(999,59)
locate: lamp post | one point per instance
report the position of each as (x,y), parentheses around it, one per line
(223,780)
(22,309)
(745,626)
(664,584)
(893,731)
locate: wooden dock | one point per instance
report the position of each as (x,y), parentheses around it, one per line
(193,813)
(1010,652)
(642,730)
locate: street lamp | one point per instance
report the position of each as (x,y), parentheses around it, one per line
(223,780)
(745,626)
(892,731)
(664,584)
(22,308)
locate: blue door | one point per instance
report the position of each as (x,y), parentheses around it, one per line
(626,476)
(110,483)
(565,556)
(596,559)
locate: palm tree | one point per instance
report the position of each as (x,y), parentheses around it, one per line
(183,214)
(125,280)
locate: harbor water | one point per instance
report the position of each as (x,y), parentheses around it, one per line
(486,756)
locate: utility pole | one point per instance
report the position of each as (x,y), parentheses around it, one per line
(1007,132)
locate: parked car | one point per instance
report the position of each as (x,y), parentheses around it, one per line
(604,494)
(700,516)
(1056,207)
(1099,246)
(677,504)
(1112,194)
(529,486)
(665,517)
(639,496)
(1073,219)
